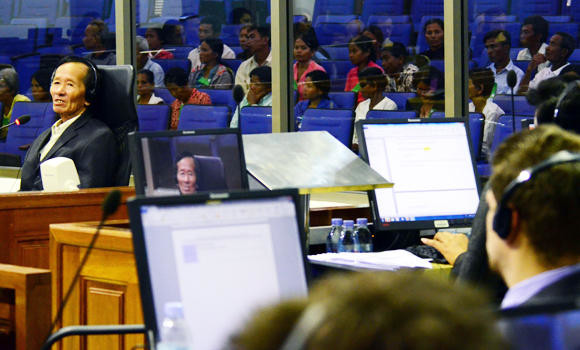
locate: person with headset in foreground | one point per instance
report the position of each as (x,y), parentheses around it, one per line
(87,141)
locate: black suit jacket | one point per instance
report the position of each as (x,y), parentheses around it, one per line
(565,289)
(88,142)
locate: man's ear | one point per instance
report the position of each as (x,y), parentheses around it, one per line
(515,227)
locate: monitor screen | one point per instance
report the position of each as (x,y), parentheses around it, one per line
(185,162)
(221,258)
(430,163)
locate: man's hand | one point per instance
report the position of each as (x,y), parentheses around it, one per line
(451,245)
(536,61)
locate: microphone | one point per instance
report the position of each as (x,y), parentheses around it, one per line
(19,121)
(109,207)
(512,80)
(239,94)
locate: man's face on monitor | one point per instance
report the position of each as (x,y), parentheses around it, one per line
(186,179)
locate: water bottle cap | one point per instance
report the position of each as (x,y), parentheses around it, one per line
(348,223)
(174,309)
(362,221)
(338,221)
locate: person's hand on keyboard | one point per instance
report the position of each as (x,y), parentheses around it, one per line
(450,245)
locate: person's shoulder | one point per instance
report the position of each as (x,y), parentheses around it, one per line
(387,103)
(522,54)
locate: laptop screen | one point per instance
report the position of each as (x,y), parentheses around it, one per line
(430,163)
(186,162)
(222,259)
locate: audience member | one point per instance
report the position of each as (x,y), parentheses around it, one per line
(533,37)
(243,38)
(187,173)
(145,89)
(479,88)
(259,45)
(173,33)
(378,311)
(362,54)
(211,74)
(176,83)
(259,94)
(40,85)
(372,83)
(94,41)
(561,47)
(77,135)
(9,87)
(241,15)
(305,47)
(429,85)
(156,41)
(376,34)
(209,28)
(316,87)
(433,31)
(399,72)
(144,62)
(532,218)
(498,43)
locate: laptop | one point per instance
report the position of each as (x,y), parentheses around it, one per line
(223,256)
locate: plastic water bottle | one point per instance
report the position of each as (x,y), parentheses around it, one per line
(347,241)
(174,331)
(333,235)
(365,239)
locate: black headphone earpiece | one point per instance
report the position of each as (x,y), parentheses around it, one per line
(502,219)
(90,91)
(571,85)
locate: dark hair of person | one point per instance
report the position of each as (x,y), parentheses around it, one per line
(216,45)
(102,28)
(377,32)
(431,76)
(215,23)
(159,33)
(493,34)
(539,25)
(177,76)
(483,77)
(375,76)
(238,13)
(568,43)
(148,74)
(91,79)
(365,44)
(264,31)
(396,49)
(42,76)
(321,80)
(264,74)
(170,32)
(438,21)
(309,38)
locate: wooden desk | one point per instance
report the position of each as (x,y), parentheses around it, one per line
(25,217)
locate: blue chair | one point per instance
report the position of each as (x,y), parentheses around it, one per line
(337,71)
(230,33)
(557,19)
(333,7)
(337,52)
(328,113)
(571,28)
(336,33)
(374,19)
(344,99)
(400,98)
(46,9)
(523,65)
(489,8)
(336,18)
(256,120)
(575,57)
(397,114)
(526,8)
(522,107)
(400,32)
(340,128)
(26,67)
(476,121)
(194,117)
(384,7)
(503,129)
(179,52)
(419,9)
(153,117)
(165,95)
(183,63)
(221,97)
(233,64)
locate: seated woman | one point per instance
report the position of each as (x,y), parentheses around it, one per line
(212,74)
(9,95)
(399,73)
(372,84)
(430,87)
(259,94)
(40,85)
(305,47)
(155,40)
(362,54)
(433,31)
(315,90)
(176,83)
(145,88)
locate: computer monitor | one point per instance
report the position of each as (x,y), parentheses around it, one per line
(430,162)
(184,162)
(223,256)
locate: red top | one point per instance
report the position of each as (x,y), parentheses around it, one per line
(196,98)
(311,66)
(162,55)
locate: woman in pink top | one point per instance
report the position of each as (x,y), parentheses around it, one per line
(362,54)
(305,46)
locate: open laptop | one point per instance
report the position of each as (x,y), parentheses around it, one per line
(223,256)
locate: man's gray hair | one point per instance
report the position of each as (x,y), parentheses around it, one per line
(10,76)
(142,44)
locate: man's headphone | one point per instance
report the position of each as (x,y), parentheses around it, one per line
(90,91)
(571,86)
(503,215)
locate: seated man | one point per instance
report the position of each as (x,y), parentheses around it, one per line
(95,40)
(209,27)
(498,45)
(144,62)
(176,83)
(532,220)
(258,41)
(187,173)
(533,37)
(76,135)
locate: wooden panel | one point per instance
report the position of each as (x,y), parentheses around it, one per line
(103,303)
(33,252)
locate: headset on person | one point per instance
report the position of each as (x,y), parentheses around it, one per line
(90,91)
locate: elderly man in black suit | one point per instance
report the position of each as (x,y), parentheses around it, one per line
(76,135)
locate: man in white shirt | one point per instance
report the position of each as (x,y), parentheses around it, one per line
(533,37)
(144,62)
(498,44)
(533,220)
(560,48)
(209,27)
(259,45)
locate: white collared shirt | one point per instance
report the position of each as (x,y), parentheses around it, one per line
(243,73)
(492,112)
(544,74)
(57,129)
(501,78)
